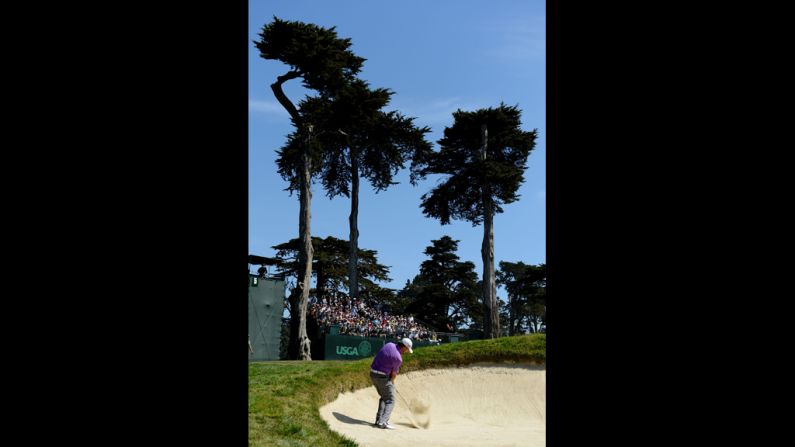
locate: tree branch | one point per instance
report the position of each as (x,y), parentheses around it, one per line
(282,98)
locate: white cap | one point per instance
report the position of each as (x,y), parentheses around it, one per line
(407,343)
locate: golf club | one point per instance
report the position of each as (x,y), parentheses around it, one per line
(425,425)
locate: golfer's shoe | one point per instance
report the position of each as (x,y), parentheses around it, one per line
(387,426)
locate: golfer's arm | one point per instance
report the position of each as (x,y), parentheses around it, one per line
(392,376)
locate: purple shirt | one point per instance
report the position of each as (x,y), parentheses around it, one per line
(388,359)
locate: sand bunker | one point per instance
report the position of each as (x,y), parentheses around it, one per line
(481,405)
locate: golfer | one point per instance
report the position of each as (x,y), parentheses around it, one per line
(383,371)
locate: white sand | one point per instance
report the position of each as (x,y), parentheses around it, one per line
(481,405)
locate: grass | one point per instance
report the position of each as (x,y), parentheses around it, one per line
(284,396)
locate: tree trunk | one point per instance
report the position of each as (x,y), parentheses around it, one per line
(353,256)
(305,248)
(511,330)
(491,320)
(292,345)
(299,346)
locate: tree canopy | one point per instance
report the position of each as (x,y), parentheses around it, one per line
(445,291)
(461,195)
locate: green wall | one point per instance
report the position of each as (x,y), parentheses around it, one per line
(349,347)
(265,307)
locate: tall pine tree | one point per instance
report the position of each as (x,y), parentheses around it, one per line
(445,291)
(484,154)
(325,64)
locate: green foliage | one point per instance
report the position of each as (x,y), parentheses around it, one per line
(526,285)
(330,265)
(461,195)
(445,291)
(325,64)
(288,161)
(316,54)
(352,125)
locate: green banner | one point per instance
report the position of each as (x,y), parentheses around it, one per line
(349,347)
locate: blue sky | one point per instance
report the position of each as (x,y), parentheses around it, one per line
(437,56)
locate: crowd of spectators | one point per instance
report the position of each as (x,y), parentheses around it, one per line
(356,317)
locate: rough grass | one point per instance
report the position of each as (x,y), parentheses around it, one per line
(284,396)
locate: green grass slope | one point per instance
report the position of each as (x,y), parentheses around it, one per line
(284,396)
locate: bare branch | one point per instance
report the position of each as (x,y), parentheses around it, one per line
(282,98)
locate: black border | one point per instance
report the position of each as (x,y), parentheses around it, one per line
(137,260)
(142,164)
(628,236)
